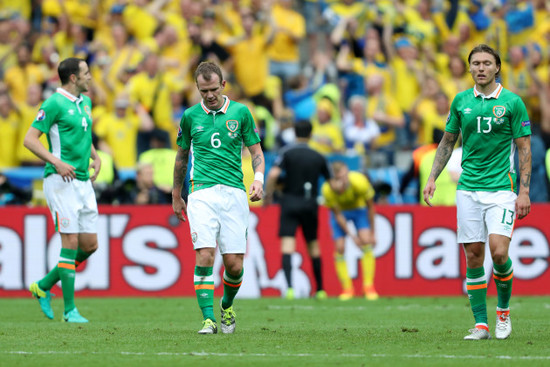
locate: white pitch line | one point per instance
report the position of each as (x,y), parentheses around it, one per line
(210,354)
(363,308)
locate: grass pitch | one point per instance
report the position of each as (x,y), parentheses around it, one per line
(271,332)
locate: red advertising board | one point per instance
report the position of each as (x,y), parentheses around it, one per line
(146,251)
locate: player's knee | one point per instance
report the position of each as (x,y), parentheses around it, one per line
(89,247)
(234,269)
(205,258)
(500,256)
(93,247)
(474,259)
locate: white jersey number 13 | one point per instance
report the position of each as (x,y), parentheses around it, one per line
(487,120)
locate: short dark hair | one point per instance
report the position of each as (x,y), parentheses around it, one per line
(303,128)
(487,49)
(67,68)
(206,69)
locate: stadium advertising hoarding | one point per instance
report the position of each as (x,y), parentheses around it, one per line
(146,251)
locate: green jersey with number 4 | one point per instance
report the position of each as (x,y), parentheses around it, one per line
(67,122)
(489,125)
(215,140)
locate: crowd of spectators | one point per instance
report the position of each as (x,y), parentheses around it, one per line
(375,77)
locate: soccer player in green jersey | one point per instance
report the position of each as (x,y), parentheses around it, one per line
(66,119)
(493,122)
(213,132)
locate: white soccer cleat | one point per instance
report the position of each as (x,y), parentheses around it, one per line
(228,319)
(504,325)
(478,334)
(208,327)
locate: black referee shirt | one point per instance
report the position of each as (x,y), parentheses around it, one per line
(302,168)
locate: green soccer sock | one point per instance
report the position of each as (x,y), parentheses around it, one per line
(503,276)
(476,285)
(81,256)
(66,269)
(204,289)
(231,287)
(52,277)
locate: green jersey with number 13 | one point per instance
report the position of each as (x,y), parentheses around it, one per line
(489,125)
(215,140)
(67,122)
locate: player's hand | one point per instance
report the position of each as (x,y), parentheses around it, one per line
(357,240)
(179,207)
(256,191)
(371,238)
(523,205)
(96,166)
(65,170)
(429,191)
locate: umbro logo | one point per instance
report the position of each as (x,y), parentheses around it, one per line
(200,128)
(71,112)
(467,111)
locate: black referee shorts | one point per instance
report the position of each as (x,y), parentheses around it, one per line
(299,212)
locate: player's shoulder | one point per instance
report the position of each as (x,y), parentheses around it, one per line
(357,178)
(238,107)
(86,99)
(193,112)
(326,190)
(355,175)
(52,102)
(509,95)
(465,95)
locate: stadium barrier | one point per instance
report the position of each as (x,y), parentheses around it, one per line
(146,251)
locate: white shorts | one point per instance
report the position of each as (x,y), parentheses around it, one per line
(73,204)
(219,215)
(481,213)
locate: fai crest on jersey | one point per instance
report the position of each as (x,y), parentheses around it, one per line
(88,111)
(41,115)
(232,125)
(194,237)
(499,111)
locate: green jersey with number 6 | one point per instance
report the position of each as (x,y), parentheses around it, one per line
(215,140)
(489,125)
(67,122)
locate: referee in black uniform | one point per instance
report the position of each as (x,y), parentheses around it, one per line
(298,169)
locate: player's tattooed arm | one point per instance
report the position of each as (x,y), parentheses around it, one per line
(524,155)
(523,203)
(180,168)
(258,161)
(444,151)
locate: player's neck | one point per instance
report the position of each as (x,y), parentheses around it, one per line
(487,89)
(71,88)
